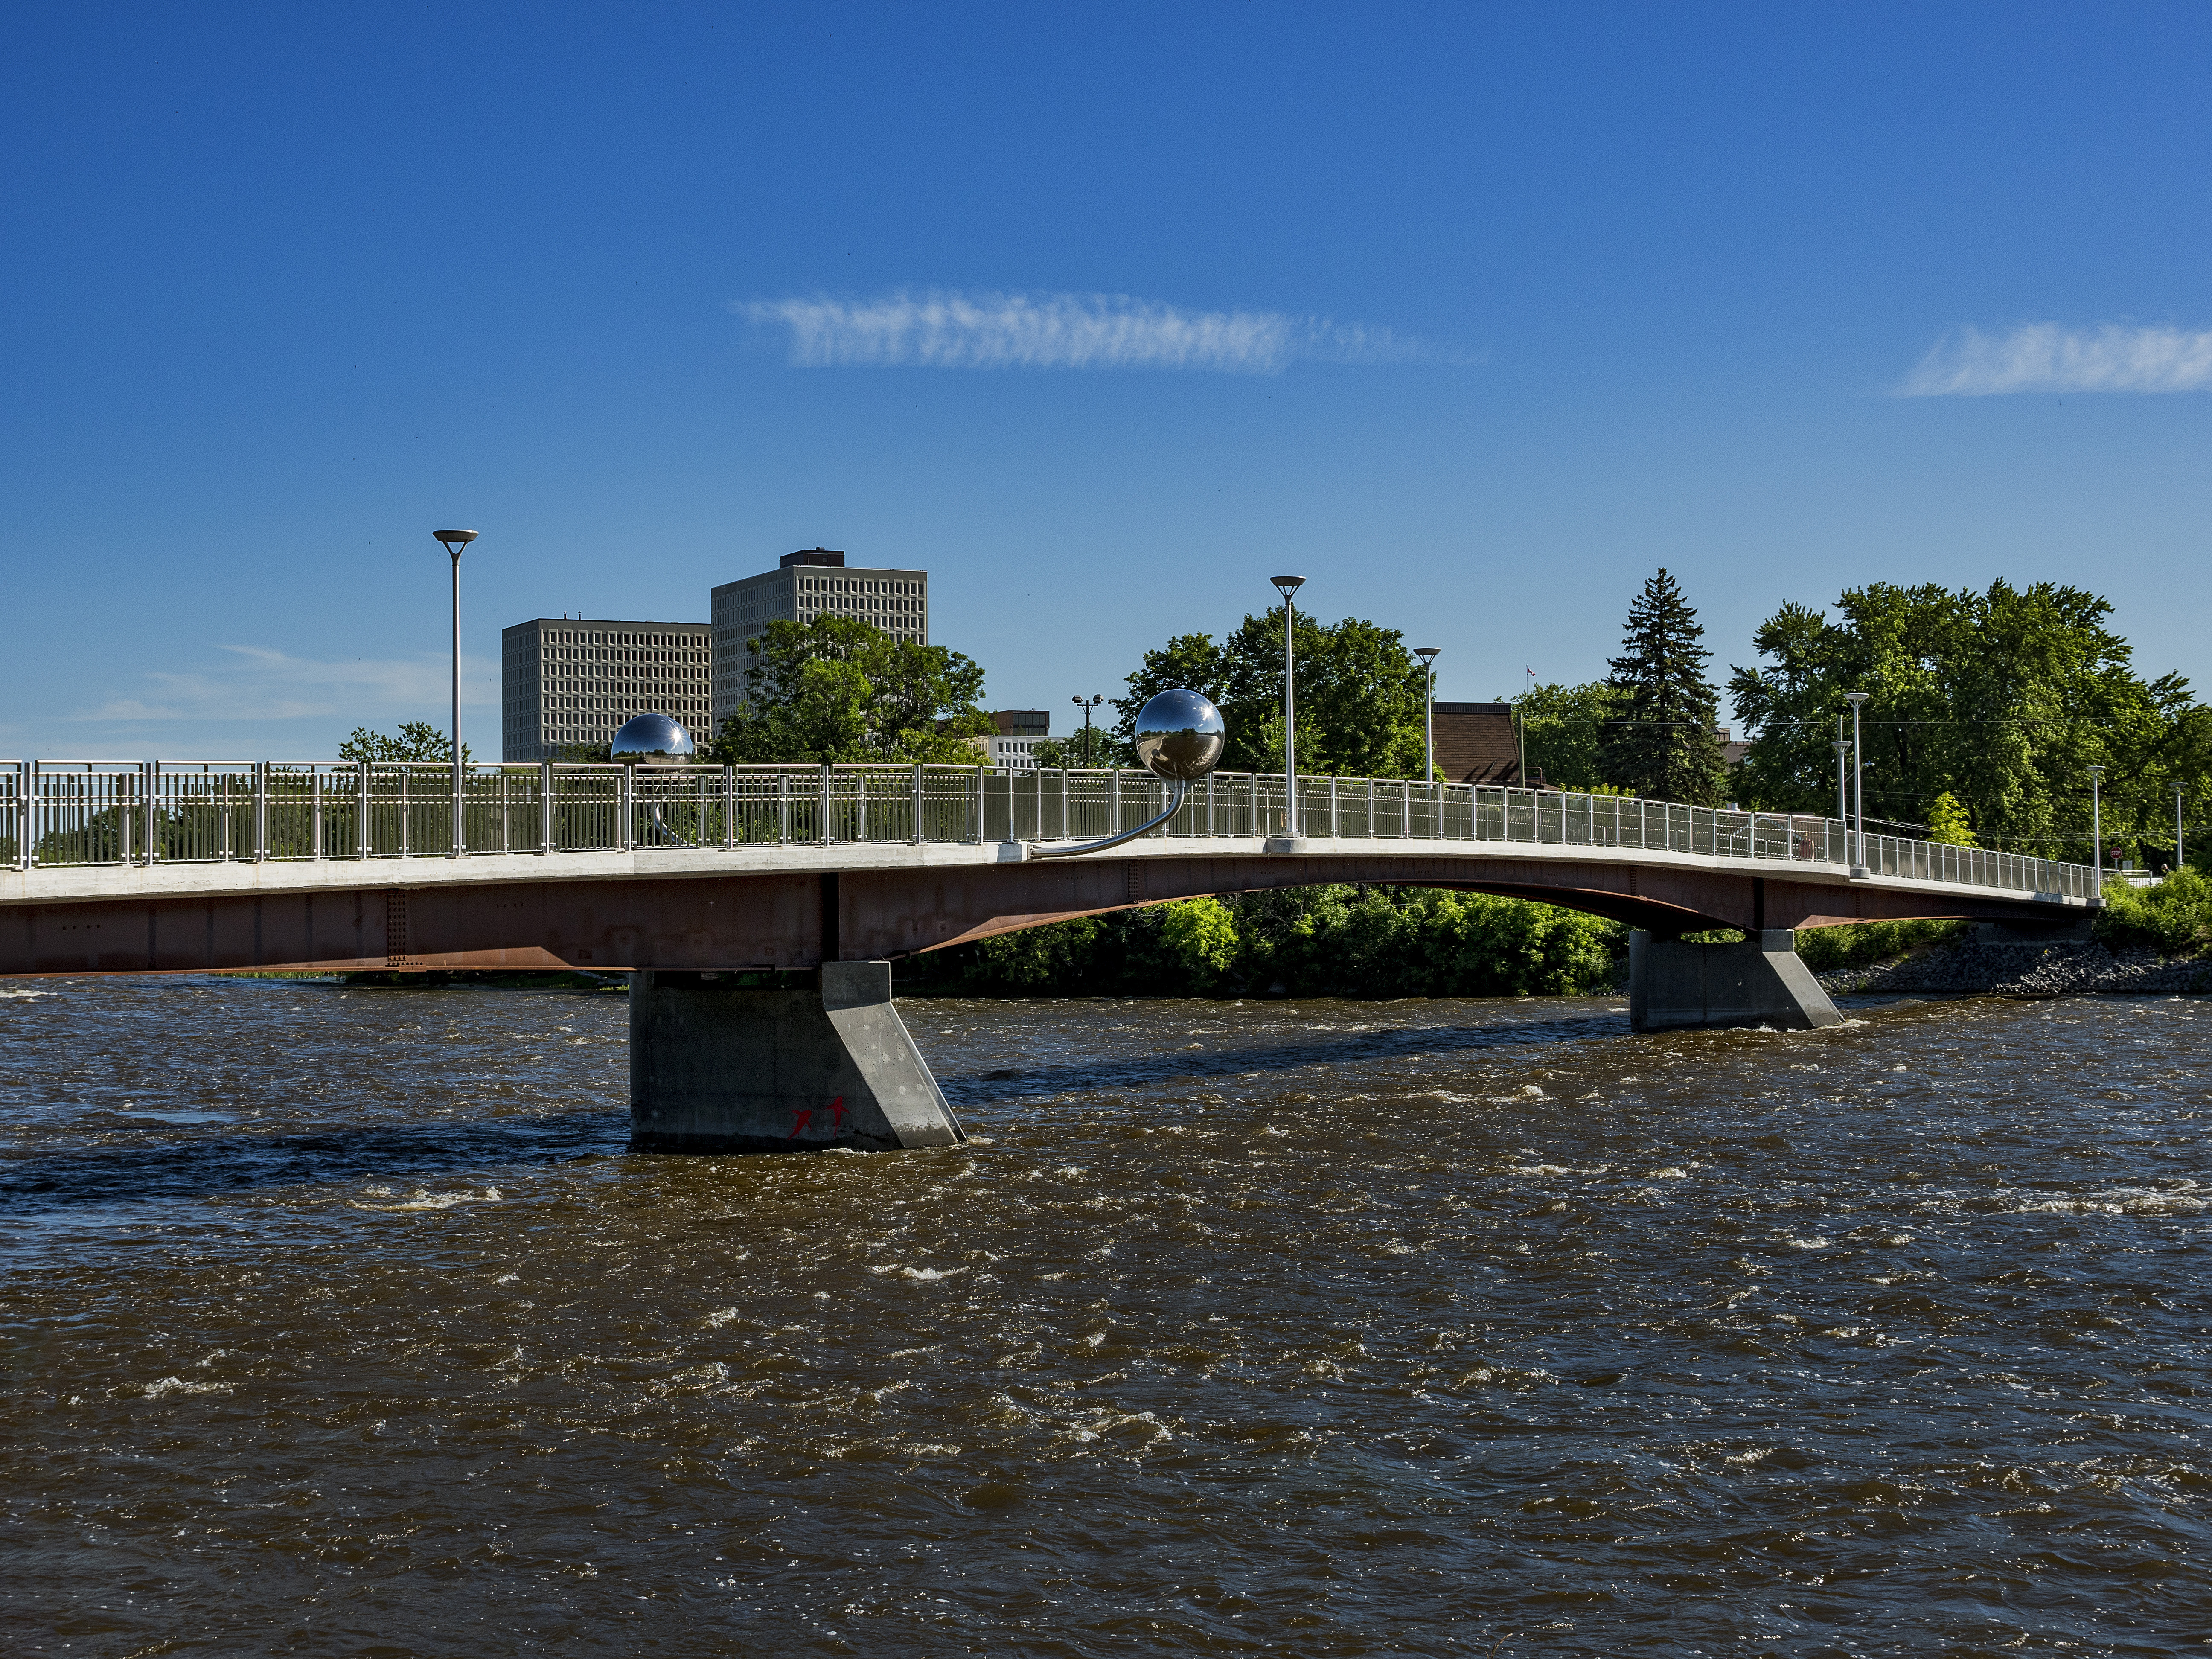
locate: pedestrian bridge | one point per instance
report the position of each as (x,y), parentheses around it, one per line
(165,866)
(757,908)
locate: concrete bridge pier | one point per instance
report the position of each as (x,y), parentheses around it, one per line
(1674,985)
(737,1062)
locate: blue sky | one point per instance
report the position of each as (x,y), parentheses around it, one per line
(1473,316)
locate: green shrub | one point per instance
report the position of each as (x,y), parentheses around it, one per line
(2173,918)
(1862,944)
(1305,942)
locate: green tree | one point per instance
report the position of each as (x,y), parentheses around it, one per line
(417,740)
(1660,738)
(840,689)
(1562,726)
(1360,694)
(1200,936)
(2003,699)
(1948,822)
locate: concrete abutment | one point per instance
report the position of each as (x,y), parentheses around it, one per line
(723,1063)
(1675,985)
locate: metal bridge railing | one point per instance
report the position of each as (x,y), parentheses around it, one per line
(94,812)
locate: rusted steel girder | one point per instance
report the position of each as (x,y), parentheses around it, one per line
(795,920)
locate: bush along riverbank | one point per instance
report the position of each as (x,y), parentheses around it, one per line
(2152,940)
(1336,941)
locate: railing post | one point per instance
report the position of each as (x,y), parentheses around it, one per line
(976,805)
(23,836)
(149,775)
(917,804)
(506,809)
(623,806)
(315,828)
(729,805)
(544,806)
(360,810)
(782,807)
(1114,803)
(260,811)
(824,827)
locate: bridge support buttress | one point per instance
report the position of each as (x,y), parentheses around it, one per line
(722,1063)
(1674,985)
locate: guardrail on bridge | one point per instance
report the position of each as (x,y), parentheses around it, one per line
(93,812)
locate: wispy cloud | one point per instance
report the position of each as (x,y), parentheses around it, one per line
(258,683)
(1066,330)
(2050,357)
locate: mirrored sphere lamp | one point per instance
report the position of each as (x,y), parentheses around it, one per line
(651,740)
(1180,736)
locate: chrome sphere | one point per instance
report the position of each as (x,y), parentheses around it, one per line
(1179,735)
(651,740)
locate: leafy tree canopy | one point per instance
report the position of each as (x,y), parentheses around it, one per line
(1947,821)
(2002,699)
(1659,739)
(1360,694)
(417,740)
(1561,725)
(840,689)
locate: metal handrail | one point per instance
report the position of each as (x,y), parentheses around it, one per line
(77,813)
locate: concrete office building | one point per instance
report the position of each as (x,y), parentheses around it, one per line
(571,680)
(802,586)
(1015,742)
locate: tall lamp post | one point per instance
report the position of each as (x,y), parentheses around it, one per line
(455,540)
(1857,701)
(1287,586)
(2178,860)
(1428,655)
(2097,821)
(1087,704)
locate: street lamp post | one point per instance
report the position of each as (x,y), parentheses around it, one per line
(1857,700)
(1428,655)
(1087,704)
(455,540)
(2097,821)
(2178,860)
(1287,586)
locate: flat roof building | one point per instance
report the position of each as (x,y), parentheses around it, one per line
(1015,742)
(573,680)
(811,583)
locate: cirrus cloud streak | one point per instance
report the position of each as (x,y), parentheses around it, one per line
(2051,357)
(992,329)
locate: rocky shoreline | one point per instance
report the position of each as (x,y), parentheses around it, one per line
(2028,971)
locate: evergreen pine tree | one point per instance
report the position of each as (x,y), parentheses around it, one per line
(1662,742)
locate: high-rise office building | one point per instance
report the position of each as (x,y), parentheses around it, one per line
(802,586)
(568,680)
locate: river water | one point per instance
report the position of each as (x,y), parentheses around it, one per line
(340,1321)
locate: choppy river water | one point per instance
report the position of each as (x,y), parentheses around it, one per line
(340,1321)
